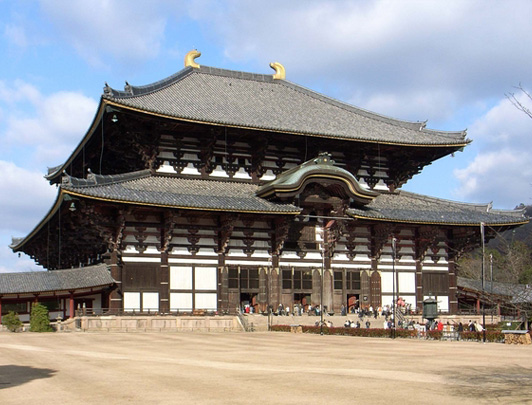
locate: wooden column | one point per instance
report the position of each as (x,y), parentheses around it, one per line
(275,282)
(164,284)
(0,310)
(71,304)
(115,297)
(222,285)
(419,285)
(453,301)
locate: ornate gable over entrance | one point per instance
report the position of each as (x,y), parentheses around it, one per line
(315,181)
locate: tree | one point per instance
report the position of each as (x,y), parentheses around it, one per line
(518,103)
(39,321)
(11,321)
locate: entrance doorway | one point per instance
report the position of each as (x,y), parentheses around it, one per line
(248,302)
(301,300)
(353,303)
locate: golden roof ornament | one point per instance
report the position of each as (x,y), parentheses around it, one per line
(280,73)
(190,59)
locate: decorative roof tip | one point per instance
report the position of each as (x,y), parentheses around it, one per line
(324,158)
(190,59)
(280,73)
(107,90)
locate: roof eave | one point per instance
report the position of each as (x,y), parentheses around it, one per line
(419,222)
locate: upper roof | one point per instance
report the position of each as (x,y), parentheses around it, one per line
(408,207)
(145,189)
(57,280)
(257,101)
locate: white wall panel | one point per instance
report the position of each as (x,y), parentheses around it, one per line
(205,278)
(206,301)
(131,301)
(180,301)
(180,278)
(150,301)
(407,282)
(387,282)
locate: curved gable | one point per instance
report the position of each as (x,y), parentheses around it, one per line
(320,170)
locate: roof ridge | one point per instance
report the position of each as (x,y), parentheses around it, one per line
(133,91)
(479,206)
(103,179)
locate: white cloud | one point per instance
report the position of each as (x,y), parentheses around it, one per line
(11,263)
(501,171)
(102,29)
(16,35)
(47,126)
(26,197)
(389,48)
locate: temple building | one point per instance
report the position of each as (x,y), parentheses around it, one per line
(212,189)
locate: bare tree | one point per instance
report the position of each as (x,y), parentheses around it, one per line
(519,104)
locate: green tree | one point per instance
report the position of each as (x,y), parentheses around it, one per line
(39,321)
(11,321)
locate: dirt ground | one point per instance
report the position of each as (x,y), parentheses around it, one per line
(251,368)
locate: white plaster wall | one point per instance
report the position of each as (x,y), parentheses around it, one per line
(180,278)
(407,282)
(205,278)
(131,301)
(206,301)
(180,301)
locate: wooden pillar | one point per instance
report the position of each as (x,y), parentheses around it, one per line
(115,297)
(275,281)
(419,285)
(164,284)
(453,301)
(71,304)
(0,310)
(222,289)
(478,306)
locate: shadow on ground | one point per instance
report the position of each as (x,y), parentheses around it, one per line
(493,384)
(12,375)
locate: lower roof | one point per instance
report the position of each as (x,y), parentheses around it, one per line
(408,207)
(200,194)
(519,293)
(97,276)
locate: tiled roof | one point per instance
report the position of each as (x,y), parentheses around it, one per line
(57,280)
(232,98)
(520,293)
(143,188)
(415,208)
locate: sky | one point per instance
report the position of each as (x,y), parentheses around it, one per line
(452,63)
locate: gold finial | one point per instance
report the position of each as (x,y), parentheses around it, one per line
(279,71)
(190,59)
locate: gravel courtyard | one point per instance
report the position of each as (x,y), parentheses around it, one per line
(258,368)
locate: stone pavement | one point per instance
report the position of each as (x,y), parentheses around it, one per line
(265,368)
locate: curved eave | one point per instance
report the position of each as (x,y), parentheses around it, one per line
(317,135)
(118,201)
(469,224)
(88,135)
(358,192)
(55,207)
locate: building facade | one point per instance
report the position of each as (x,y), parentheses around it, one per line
(213,189)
